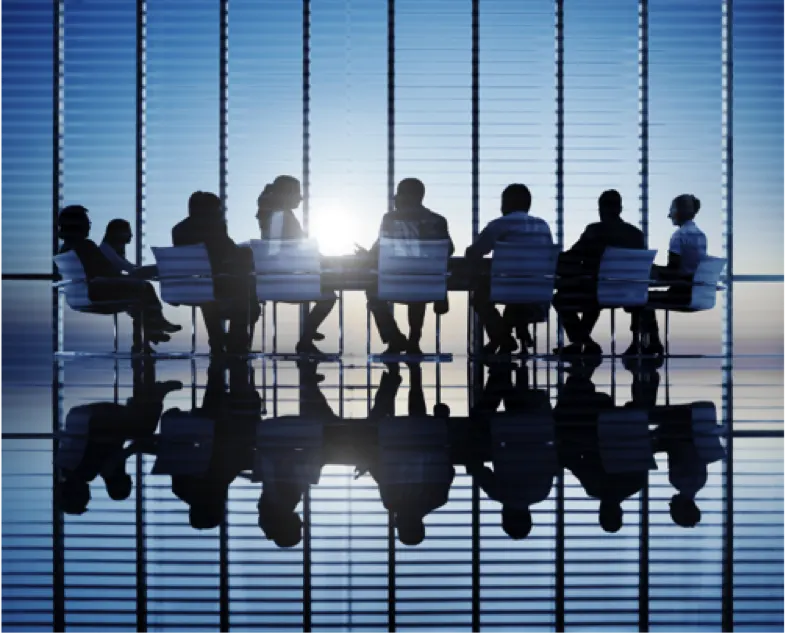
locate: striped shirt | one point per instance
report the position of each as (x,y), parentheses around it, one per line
(517,227)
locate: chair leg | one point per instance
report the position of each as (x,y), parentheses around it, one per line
(275,327)
(340,323)
(534,340)
(60,320)
(264,328)
(438,334)
(115,328)
(613,332)
(667,333)
(367,331)
(193,329)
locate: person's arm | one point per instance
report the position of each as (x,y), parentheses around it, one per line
(120,263)
(485,241)
(291,228)
(670,272)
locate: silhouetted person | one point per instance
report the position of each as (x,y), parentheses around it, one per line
(117,236)
(94,436)
(412,466)
(235,414)
(235,291)
(688,434)
(577,414)
(515,226)
(687,247)
(276,205)
(410,220)
(106,283)
(523,452)
(288,469)
(579,267)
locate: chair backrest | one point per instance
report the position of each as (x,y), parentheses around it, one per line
(289,448)
(412,269)
(624,441)
(706,433)
(705,280)
(287,270)
(70,268)
(185,274)
(624,277)
(185,444)
(522,274)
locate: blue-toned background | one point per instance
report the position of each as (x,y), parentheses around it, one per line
(347,152)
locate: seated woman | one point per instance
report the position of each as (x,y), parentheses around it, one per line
(106,282)
(117,236)
(688,246)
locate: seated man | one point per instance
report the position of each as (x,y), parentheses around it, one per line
(206,225)
(515,226)
(106,283)
(277,221)
(410,220)
(582,263)
(688,245)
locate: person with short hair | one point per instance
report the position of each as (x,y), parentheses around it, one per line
(579,267)
(516,225)
(410,220)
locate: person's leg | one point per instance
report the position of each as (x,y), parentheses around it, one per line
(416,321)
(316,317)
(385,323)
(214,324)
(497,331)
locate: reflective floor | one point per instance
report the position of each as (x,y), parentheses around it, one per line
(346,496)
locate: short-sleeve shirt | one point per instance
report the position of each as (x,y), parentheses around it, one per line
(689,243)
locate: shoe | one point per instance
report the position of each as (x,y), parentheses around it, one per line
(508,346)
(397,345)
(317,336)
(413,348)
(633,350)
(654,348)
(592,348)
(573,349)
(307,347)
(157,336)
(166,326)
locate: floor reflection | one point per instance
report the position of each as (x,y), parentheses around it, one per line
(275,494)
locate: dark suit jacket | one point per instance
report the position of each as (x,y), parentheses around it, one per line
(584,256)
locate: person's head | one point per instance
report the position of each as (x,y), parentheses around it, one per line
(73,223)
(204,205)
(683,208)
(611,516)
(609,204)
(286,192)
(205,514)
(516,197)
(516,522)
(74,495)
(684,511)
(118,485)
(411,529)
(409,194)
(284,528)
(441,410)
(118,232)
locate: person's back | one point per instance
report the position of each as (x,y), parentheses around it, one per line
(419,223)
(690,243)
(515,225)
(611,232)
(205,225)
